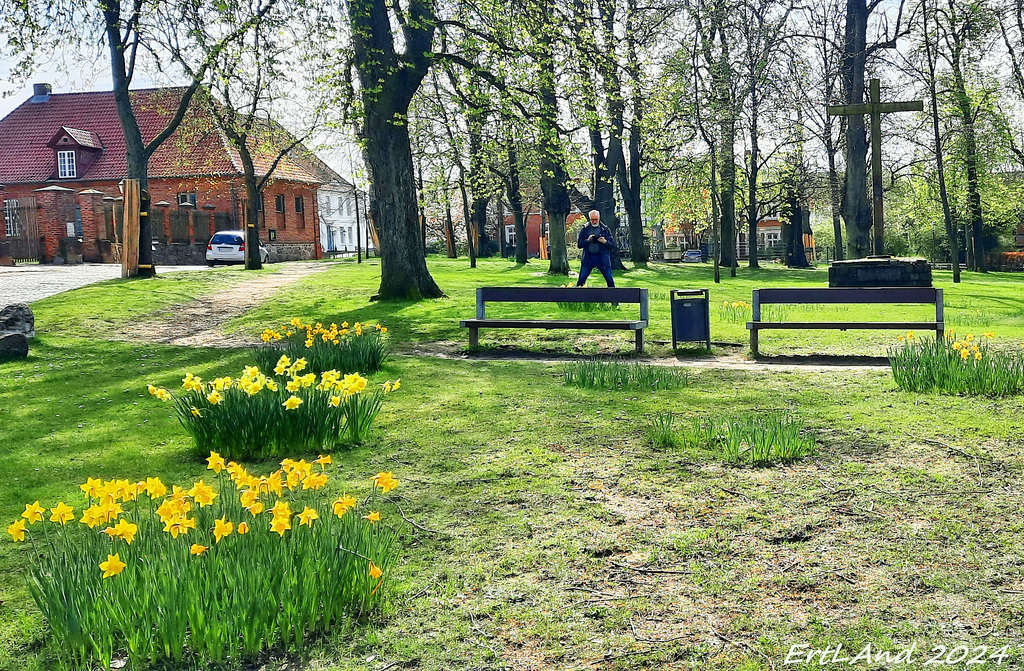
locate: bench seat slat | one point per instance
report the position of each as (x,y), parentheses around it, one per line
(832,295)
(909,326)
(553,324)
(560,294)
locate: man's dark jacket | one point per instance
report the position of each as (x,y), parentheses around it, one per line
(596,251)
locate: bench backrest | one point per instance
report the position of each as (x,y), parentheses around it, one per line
(848,295)
(561,295)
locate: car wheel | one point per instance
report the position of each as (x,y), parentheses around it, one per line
(210,263)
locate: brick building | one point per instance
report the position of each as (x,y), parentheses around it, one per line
(62,157)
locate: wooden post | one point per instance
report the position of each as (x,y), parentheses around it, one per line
(875,108)
(876,166)
(132,208)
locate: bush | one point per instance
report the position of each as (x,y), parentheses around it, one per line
(595,374)
(757,440)
(259,416)
(207,575)
(360,348)
(951,366)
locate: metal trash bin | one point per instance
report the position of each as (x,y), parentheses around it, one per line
(691,316)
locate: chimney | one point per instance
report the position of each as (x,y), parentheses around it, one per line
(40,93)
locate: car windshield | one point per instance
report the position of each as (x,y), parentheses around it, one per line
(226,239)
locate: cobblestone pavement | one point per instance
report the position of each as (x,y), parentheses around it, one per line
(24,284)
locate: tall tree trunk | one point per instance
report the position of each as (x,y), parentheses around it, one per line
(629,185)
(420,202)
(715,214)
(449,227)
(394,210)
(468,218)
(940,169)
(552,163)
(856,206)
(630,178)
(476,116)
(515,200)
(252,210)
(753,206)
(834,192)
(975,220)
(135,146)
(388,82)
(796,256)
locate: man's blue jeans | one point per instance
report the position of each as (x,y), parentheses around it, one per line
(602,262)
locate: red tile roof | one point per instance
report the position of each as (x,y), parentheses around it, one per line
(84,137)
(196,148)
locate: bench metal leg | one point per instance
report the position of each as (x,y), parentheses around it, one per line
(639,341)
(753,341)
(474,336)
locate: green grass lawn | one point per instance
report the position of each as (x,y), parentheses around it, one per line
(979,303)
(555,536)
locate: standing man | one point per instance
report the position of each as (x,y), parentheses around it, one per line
(597,244)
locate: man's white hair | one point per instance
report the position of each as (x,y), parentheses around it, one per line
(593,212)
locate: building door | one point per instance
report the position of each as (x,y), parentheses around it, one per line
(22,228)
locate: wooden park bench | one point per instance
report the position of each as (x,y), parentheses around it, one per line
(486,295)
(873,295)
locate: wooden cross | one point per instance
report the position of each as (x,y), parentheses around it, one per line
(875,107)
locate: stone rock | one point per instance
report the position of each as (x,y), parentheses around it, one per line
(13,346)
(18,318)
(880,271)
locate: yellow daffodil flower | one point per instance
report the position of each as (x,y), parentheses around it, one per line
(17,531)
(989,334)
(126,530)
(374,516)
(343,504)
(280,524)
(375,571)
(91,487)
(62,513)
(323,460)
(256,508)
(113,565)
(222,528)
(197,549)
(155,488)
(243,528)
(202,493)
(33,512)
(215,397)
(215,462)
(385,480)
(292,402)
(307,516)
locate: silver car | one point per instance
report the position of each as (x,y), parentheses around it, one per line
(229,247)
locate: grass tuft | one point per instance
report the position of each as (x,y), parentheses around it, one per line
(967,367)
(758,439)
(596,374)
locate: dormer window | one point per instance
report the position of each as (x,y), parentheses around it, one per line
(66,167)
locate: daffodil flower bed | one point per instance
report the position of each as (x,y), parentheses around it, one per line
(207,573)
(968,366)
(360,347)
(260,415)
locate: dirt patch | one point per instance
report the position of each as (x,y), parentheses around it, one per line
(735,359)
(201,322)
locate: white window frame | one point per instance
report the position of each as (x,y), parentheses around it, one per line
(67,167)
(12,227)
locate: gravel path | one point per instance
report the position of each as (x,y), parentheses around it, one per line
(201,322)
(29,283)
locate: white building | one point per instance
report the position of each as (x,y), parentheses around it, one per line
(337,199)
(341,229)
